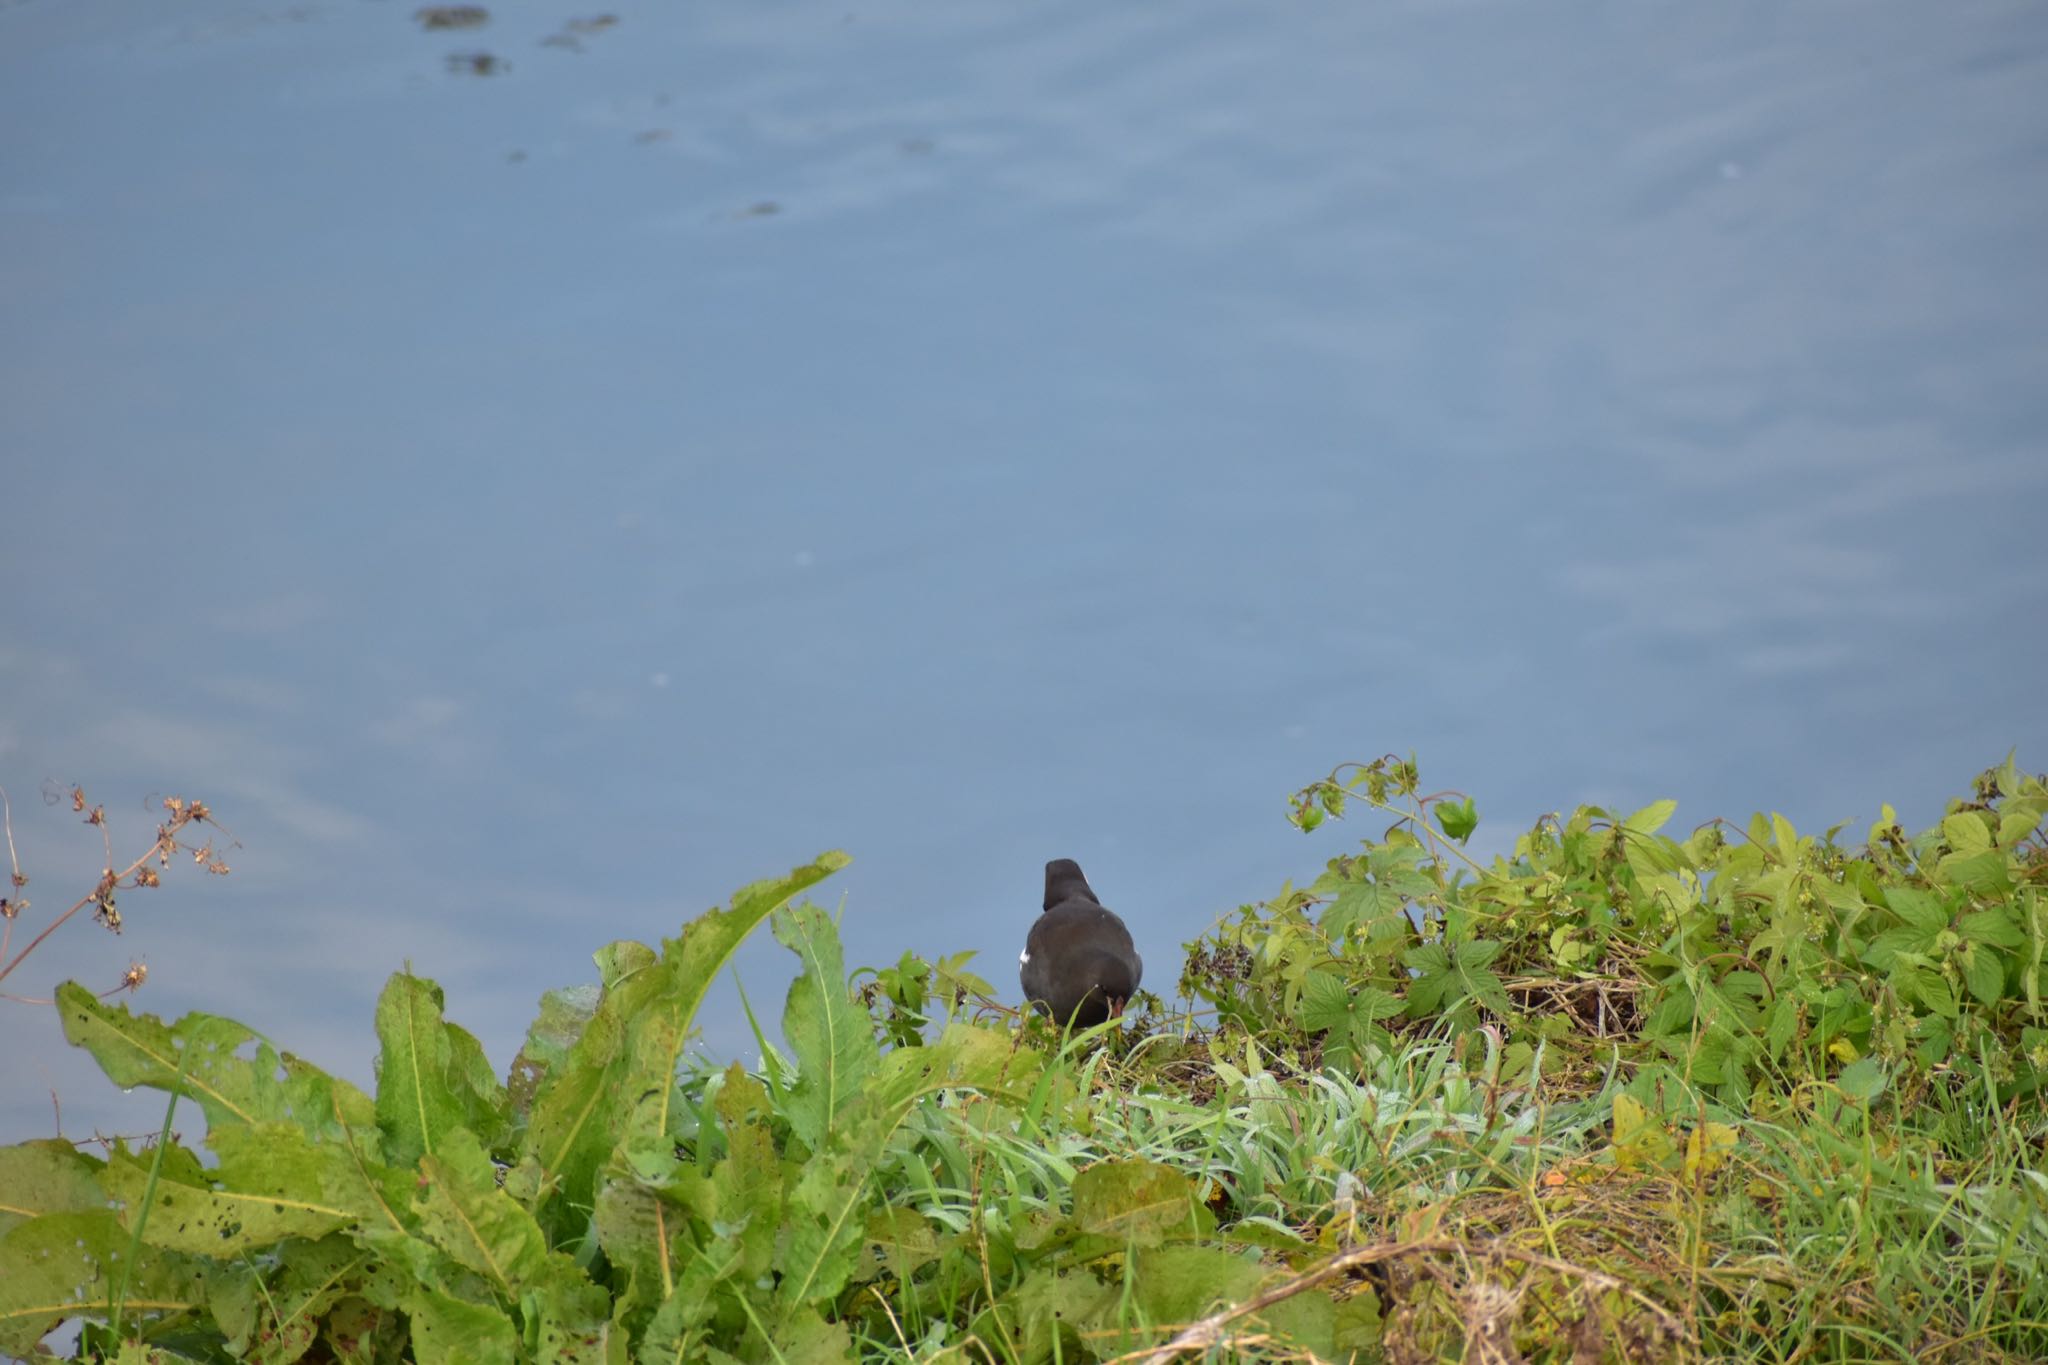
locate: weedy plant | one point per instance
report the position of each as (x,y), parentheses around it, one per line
(1616,1096)
(171,840)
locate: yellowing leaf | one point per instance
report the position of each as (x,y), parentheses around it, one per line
(1706,1147)
(1640,1141)
(1966,832)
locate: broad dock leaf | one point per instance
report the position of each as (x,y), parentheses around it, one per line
(832,1038)
(431,1075)
(140,1049)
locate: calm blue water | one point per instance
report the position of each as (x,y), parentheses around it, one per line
(523,536)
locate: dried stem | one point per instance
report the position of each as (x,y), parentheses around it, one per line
(182,813)
(1210,1330)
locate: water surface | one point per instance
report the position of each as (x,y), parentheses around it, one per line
(528,506)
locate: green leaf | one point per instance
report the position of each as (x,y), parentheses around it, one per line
(1999,928)
(1986,873)
(1934,992)
(1983,974)
(1454,978)
(139,1049)
(1046,1312)
(1325,1002)
(48,1175)
(431,1075)
(464,1213)
(564,1014)
(1862,1080)
(283,1318)
(626,1057)
(1966,832)
(832,1038)
(742,1202)
(1781,1021)
(279,1160)
(1359,903)
(569,1318)
(806,1338)
(59,1266)
(824,1227)
(1650,818)
(1133,1201)
(1458,818)
(1652,856)
(826,1209)
(2018,820)
(448,1331)
(203,1221)
(1925,911)
(903,1240)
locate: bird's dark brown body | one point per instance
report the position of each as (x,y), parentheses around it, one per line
(1079,964)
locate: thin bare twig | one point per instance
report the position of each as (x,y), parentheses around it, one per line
(182,812)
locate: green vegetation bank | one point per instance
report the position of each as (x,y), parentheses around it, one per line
(1620,1095)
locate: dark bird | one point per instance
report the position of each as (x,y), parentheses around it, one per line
(1078,963)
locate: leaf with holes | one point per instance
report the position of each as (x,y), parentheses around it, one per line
(140,1049)
(431,1075)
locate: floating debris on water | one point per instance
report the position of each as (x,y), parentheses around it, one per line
(433,17)
(477,64)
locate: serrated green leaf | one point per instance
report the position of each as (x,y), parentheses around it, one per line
(742,1203)
(1325,1002)
(1985,873)
(1926,912)
(1983,974)
(310,1278)
(1966,832)
(1652,856)
(1933,991)
(2000,928)
(626,1057)
(2018,820)
(431,1075)
(804,1337)
(140,1049)
(1651,818)
(1361,903)
(1457,819)
(833,1039)
(1862,1080)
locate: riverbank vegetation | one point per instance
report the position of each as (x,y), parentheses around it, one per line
(1625,1092)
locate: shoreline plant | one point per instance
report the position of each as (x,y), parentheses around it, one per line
(1748,1094)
